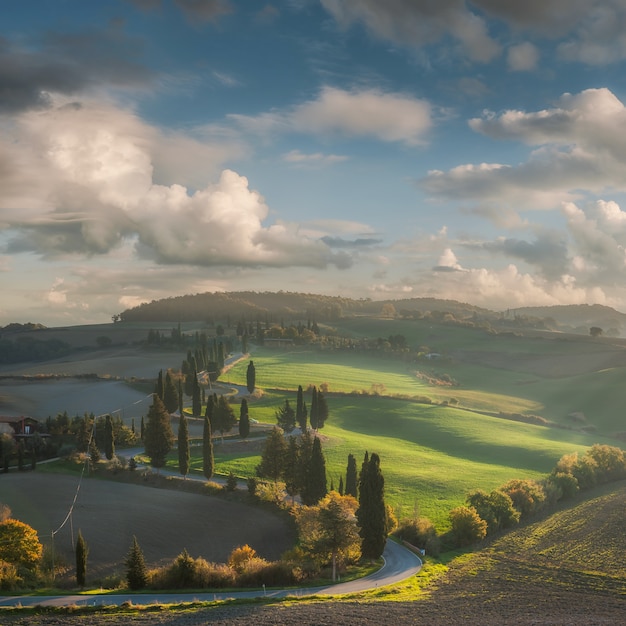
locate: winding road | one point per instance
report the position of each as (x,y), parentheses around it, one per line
(399,564)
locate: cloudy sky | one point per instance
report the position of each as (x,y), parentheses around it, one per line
(466,150)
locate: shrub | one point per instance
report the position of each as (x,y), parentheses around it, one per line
(252,484)
(9,577)
(240,557)
(527,496)
(610,462)
(274,574)
(231,482)
(495,508)
(420,533)
(467,525)
(566,483)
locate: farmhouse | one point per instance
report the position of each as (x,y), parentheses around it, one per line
(20,427)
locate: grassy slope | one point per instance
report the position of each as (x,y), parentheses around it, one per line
(432,455)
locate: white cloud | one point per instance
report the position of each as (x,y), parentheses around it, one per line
(523,57)
(89,174)
(390,117)
(581,148)
(316,159)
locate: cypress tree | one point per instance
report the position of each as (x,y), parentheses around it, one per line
(244,419)
(224,416)
(351,477)
(142,429)
(170,394)
(301,416)
(208,462)
(341,489)
(315,485)
(81,560)
(181,398)
(322,410)
(195,402)
(109,440)
(313,411)
(211,406)
(159,389)
(159,437)
(291,470)
(372,514)
(183,446)
(136,570)
(250,377)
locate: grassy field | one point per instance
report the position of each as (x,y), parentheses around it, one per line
(431,455)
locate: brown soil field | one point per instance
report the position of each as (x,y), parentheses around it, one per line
(565,570)
(165,521)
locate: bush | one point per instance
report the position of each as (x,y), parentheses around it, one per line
(467,526)
(9,577)
(527,496)
(421,533)
(240,557)
(274,574)
(231,482)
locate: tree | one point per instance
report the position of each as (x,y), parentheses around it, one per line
(183,446)
(329,531)
(244,419)
(170,394)
(495,508)
(273,456)
(94,455)
(467,525)
(291,473)
(224,416)
(81,560)
(322,410)
(208,461)
(251,377)
(372,514)
(159,389)
(136,570)
(196,403)
(19,544)
(159,437)
(313,411)
(595,331)
(526,495)
(351,477)
(109,439)
(286,417)
(314,488)
(301,416)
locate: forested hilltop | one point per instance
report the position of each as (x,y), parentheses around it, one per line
(288,306)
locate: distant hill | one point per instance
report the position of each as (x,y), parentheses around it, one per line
(275,306)
(18,328)
(580,317)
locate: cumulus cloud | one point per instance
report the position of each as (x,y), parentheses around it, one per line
(94,189)
(390,117)
(580,148)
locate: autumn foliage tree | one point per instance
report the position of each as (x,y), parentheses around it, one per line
(19,544)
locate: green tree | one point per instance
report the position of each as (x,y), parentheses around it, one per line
(208,461)
(495,508)
(109,439)
(136,570)
(251,377)
(286,417)
(159,389)
(19,544)
(314,487)
(196,403)
(81,560)
(351,477)
(159,437)
(244,419)
(183,446)
(467,525)
(322,410)
(94,455)
(170,394)
(372,513)
(313,411)
(291,473)
(527,496)
(273,456)
(301,416)
(224,416)
(329,531)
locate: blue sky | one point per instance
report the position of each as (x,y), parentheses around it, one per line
(465,150)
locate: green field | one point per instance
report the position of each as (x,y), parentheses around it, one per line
(431,454)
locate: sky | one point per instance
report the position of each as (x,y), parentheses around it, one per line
(473,151)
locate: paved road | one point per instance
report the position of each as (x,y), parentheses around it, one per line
(400,564)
